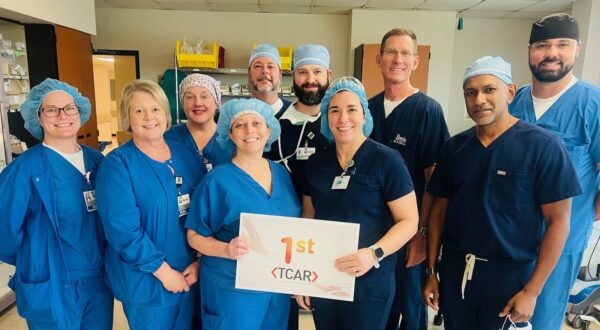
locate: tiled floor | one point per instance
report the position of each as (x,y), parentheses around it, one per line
(9,319)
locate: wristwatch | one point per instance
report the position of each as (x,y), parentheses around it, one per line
(423,231)
(378,253)
(430,271)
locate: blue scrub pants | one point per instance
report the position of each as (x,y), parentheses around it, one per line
(94,303)
(230,308)
(178,316)
(493,284)
(551,304)
(407,299)
(369,310)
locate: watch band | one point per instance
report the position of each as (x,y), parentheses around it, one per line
(430,271)
(378,254)
(423,231)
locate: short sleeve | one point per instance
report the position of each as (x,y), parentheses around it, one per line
(203,217)
(440,184)
(396,180)
(555,176)
(435,133)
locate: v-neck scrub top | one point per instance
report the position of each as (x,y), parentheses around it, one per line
(137,201)
(496,191)
(211,153)
(378,176)
(222,195)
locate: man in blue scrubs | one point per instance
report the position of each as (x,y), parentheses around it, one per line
(264,77)
(301,123)
(503,197)
(570,109)
(411,122)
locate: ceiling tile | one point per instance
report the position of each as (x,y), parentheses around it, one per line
(284,9)
(330,10)
(339,3)
(555,6)
(392,4)
(243,8)
(447,4)
(503,5)
(529,14)
(135,4)
(183,5)
(484,14)
(286,2)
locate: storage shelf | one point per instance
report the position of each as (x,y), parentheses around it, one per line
(15,76)
(232,71)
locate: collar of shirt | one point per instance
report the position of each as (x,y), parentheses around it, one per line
(296,117)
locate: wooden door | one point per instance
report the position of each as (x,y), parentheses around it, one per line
(371,73)
(75,67)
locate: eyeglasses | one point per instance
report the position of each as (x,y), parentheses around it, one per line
(394,53)
(52,112)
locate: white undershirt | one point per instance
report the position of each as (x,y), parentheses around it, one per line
(542,105)
(76,159)
(389,106)
(296,117)
(277,105)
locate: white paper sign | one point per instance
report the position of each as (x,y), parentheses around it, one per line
(296,256)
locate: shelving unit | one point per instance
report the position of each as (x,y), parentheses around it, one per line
(228,76)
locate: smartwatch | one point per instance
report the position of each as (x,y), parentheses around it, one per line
(378,253)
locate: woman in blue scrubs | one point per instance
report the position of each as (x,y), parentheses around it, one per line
(248,183)
(201,99)
(144,190)
(50,230)
(358,180)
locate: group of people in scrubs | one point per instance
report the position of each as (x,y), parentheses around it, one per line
(504,207)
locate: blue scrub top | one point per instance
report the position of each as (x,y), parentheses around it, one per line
(378,176)
(77,225)
(137,203)
(496,191)
(416,128)
(212,152)
(575,119)
(221,196)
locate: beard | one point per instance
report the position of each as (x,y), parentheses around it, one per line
(310,98)
(547,76)
(263,88)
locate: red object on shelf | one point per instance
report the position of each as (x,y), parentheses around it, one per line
(221,60)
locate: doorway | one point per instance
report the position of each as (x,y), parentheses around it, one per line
(112,70)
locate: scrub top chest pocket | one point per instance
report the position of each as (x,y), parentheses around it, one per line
(508,186)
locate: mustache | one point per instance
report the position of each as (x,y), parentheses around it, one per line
(308,84)
(548,60)
(265,78)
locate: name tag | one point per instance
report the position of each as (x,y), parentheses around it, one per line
(340,182)
(304,153)
(208,166)
(89,197)
(183,202)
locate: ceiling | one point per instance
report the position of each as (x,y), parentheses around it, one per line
(530,9)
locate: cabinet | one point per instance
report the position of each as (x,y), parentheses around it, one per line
(15,82)
(228,77)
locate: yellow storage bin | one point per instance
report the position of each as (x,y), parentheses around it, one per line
(286,56)
(210,61)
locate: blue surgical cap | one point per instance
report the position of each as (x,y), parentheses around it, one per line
(493,65)
(311,54)
(354,86)
(232,109)
(265,50)
(30,108)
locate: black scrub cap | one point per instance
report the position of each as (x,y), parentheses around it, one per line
(554,26)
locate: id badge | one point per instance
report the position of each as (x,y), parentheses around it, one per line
(340,182)
(304,153)
(89,197)
(208,166)
(183,202)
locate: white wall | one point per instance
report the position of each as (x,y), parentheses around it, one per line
(154,33)
(432,28)
(508,38)
(587,66)
(74,14)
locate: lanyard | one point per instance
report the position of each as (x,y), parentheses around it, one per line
(284,159)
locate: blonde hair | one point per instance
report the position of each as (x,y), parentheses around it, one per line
(147,86)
